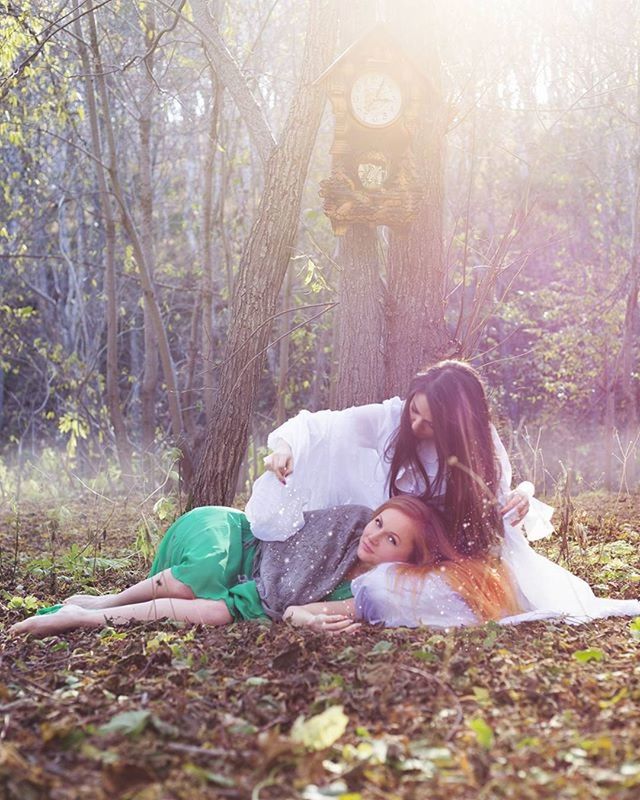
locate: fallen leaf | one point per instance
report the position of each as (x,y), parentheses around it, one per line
(129,723)
(321,730)
(483,732)
(590,654)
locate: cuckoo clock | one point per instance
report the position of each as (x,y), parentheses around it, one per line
(379,97)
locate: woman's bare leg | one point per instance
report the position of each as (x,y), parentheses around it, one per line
(199,611)
(161,585)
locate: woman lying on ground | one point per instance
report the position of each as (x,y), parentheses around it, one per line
(437,444)
(210,569)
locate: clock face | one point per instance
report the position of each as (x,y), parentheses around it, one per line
(376,99)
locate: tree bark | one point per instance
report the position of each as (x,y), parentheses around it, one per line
(262,269)
(359,374)
(123,448)
(231,77)
(148,288)
(208,278)
(417,334)
(283,359)
(151,369)
(628,358)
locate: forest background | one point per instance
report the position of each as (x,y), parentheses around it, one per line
(140,144)
(170,287)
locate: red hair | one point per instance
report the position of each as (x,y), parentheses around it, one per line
(483,582)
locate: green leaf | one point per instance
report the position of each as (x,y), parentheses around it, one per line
(493,629)
(164,508)
(164,728)
(634,627)
(617,697)
(426,655)
(590,654)
(256,680)
(381,647)
(129,723)
(483,732)
(321,730)
(29,603)
(482,695)
(206,776)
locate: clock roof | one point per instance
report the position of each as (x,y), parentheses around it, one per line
(378,35)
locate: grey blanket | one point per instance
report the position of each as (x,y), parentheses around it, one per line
(313,562)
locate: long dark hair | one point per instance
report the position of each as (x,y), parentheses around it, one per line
(466,455)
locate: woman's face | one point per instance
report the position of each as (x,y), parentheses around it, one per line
(420,416)
(388,537)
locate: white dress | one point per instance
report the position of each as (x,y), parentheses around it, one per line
(338,459)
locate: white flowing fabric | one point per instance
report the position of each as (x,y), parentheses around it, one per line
(336,461)
(338,458)
(544,590)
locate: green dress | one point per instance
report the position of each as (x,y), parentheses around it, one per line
(211,550)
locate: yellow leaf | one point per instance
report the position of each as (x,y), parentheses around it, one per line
(322,730)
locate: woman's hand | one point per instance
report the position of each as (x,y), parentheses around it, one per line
(323,623)
(516,507)
(280,462)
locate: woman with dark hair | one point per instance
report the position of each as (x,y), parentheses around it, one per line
(446,407)
(438,444)
(210,569)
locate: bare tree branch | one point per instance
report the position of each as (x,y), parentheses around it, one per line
(233,80)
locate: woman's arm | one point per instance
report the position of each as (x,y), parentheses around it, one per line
(364,426)
(335,460)
(332,616)
(514,505)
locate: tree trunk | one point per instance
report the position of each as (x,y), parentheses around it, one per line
(609,420)
(283,360)
(151,366)
(262,269)
(417,334)
(123,447)
(359,373)
(208,277)
(628,358)
(148,288)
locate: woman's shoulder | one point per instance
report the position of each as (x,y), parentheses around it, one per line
(389,405)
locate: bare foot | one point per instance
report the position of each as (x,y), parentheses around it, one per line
(90,600)
(65,619)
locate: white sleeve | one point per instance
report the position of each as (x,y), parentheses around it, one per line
(365,426)
(537,522)
(506,474)
(337,460)
(382,596)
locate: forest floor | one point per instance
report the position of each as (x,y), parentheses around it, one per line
(160,711)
